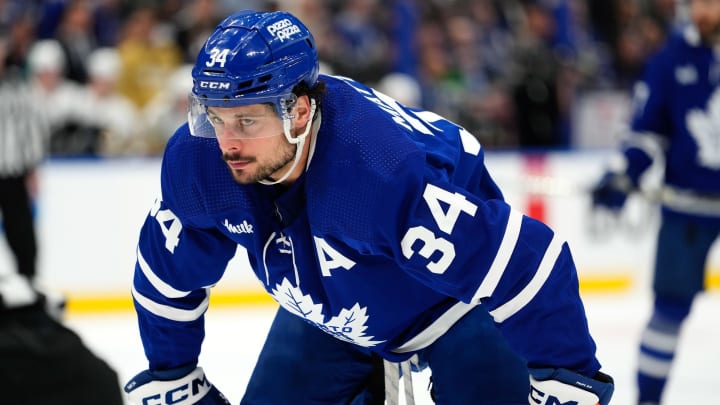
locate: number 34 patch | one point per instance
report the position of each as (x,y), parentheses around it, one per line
(456,204)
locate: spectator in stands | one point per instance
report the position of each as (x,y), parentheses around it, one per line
(108,17)
(21,36)
(148,54)
(77,38)
(363,48)
(168,109)
(194,23)
(462,72)
(104,110)
(535,71)
(402,87)
(59,99)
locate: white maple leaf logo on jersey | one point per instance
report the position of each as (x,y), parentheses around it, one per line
(704,126)
(348,325)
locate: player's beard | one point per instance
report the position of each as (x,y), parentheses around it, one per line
(284,154)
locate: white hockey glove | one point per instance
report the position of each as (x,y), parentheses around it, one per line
(185,386)
(561,386)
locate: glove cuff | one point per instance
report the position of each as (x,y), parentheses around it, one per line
(565,386)
(187,390)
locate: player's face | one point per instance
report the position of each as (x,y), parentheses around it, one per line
(706,16)
(252,142)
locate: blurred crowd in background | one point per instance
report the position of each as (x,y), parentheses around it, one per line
(112,76)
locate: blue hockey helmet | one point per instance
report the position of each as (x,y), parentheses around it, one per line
(252,58)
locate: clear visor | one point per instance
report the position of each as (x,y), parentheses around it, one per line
(251,118)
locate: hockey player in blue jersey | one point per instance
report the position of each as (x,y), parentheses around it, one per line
(676,123)
(377,229)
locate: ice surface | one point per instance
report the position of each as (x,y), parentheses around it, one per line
(235,336)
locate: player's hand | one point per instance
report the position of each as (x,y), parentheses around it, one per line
(611,191)
(561,386)
(185,386)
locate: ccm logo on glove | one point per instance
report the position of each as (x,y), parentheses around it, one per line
(197,388)
(191,388)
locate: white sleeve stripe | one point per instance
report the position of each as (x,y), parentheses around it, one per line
(168,312)
(507,246)
(163,287)
(436,329)
(470,143)
(519,301)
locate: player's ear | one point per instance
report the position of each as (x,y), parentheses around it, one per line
(302,111)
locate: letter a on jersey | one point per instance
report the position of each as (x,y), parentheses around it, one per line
(329,258)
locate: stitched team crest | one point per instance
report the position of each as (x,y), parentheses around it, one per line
(348,325)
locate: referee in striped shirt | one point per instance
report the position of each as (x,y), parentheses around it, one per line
(42,360)
(24,134)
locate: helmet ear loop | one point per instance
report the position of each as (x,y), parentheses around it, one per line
(288,118)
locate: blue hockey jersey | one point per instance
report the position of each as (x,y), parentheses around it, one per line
(676,121)
(392,234)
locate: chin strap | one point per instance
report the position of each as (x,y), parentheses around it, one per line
(299,142)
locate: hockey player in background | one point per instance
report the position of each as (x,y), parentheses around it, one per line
(376,227)
(676,122)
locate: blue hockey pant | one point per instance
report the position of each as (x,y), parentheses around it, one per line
(300,364)
(682,251)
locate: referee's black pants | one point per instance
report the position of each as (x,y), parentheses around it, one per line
(17,223)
